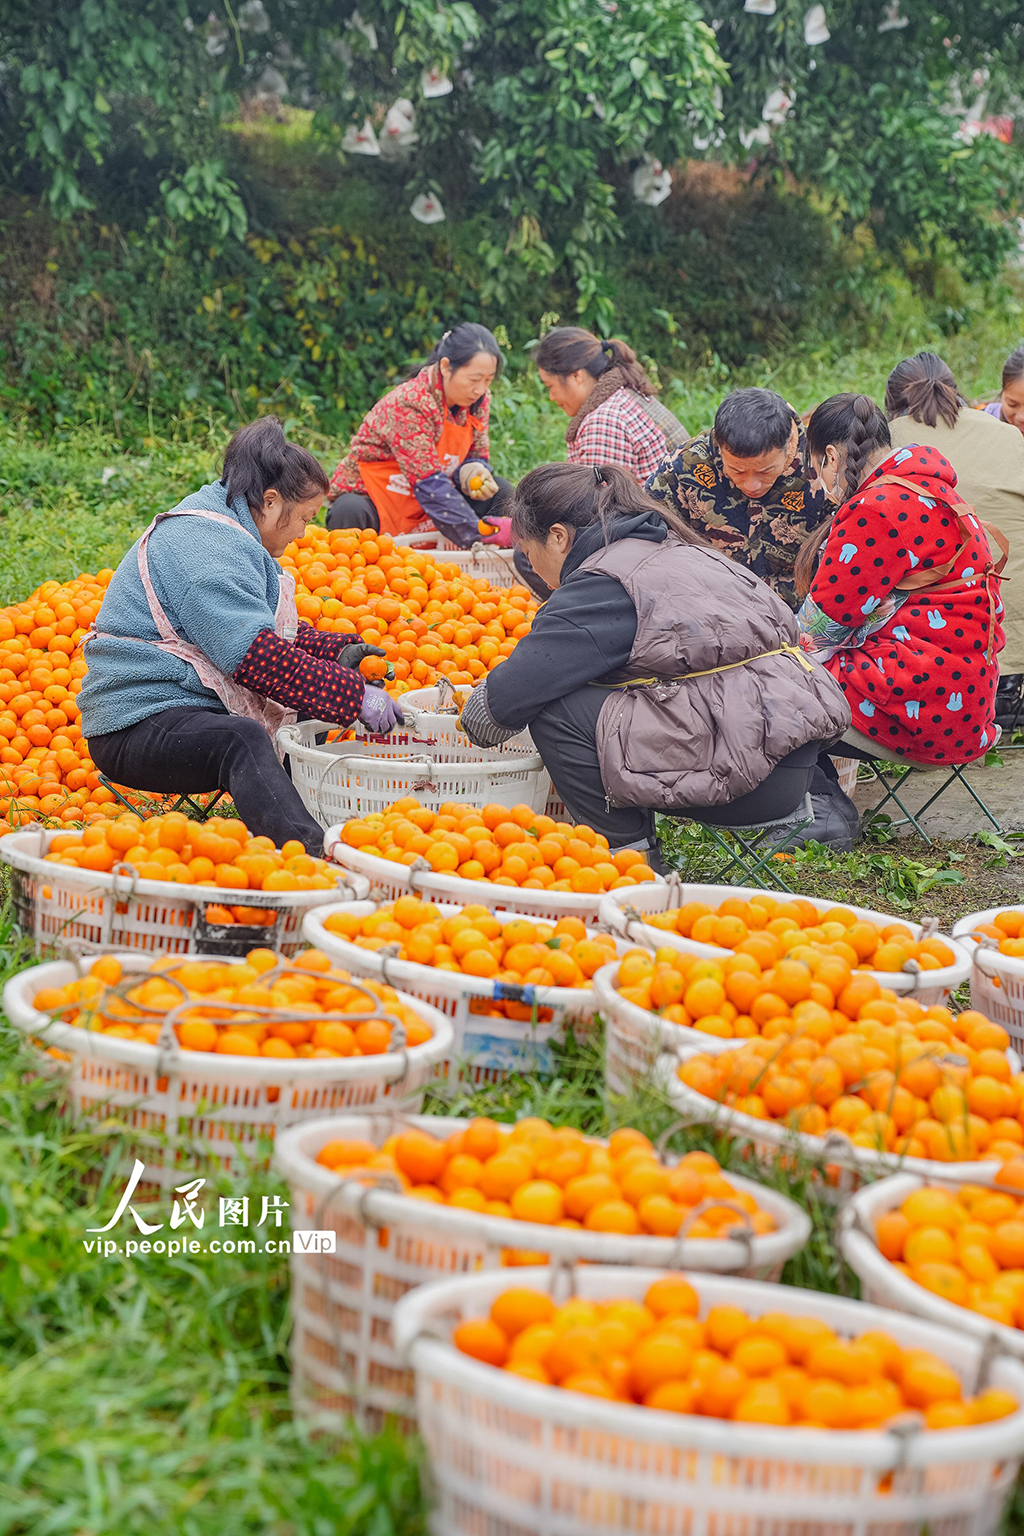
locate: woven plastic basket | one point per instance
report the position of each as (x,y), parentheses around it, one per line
(185,1105)
(342,779)
(487,560)
(882,1283)
(635,1038)
(849,1165)
(388,880)
(486,1049)
(509,1455)
(434,724)
(928,987)
(343,1356)
(88,912)
(997,981)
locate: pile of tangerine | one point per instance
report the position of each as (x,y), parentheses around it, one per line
(768,929)
(476,943)
(428,616)
(965,1245)
(302,991)
(516,846)
(935,1087)
(556,1178)
(1008,928)
(219,852)
(777,1368)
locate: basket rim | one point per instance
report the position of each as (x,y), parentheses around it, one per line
(870,1264)
(389,1065)
(963,933)
(448,983)
(99,882)
(874,1449)
(950,976)
(840,1151)
(353,763)
(298,1165)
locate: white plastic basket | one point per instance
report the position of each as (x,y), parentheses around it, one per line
(89,912)
(343,1356)
(486,1048)
(429,727)
(635,1038)
(185,1105)
(997,981)
(771,1140)
(887,1286)
(389,880)
(342,779)
(928,987)
(509,1455)
(488,560)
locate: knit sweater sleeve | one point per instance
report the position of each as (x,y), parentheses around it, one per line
(320,689)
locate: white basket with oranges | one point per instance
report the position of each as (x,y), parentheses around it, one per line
(412,1199)
(954,1255)
(510,984)
(995,941)
(715,921)
(132,889)
(487,560)
(211,1057)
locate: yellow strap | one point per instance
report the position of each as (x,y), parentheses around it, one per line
(647,682)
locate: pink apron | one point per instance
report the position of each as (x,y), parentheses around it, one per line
(236,699)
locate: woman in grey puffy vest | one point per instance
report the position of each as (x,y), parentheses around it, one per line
(660,675)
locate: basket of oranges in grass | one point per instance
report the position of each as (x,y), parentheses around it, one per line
(356,774)
(874,1084)
(452,1195)
(510,984)
(995,941)
(652,1402)
(715,921)
(167,885)
(212,1056)
(511,859)
(951,1253)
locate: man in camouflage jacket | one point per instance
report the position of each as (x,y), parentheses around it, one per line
(742,486)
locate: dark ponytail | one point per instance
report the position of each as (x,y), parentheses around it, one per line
(569,348)
(578,495)
(851,423)
(460,345)
(259,458)
(923,388)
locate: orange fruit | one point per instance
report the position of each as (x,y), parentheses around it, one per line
(482,1339)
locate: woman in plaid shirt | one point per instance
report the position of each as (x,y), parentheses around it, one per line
(616,417)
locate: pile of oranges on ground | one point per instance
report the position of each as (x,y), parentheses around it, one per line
(507,846)
(556,1178)
(767,929)
(476,943)
(307,992)
(1008,928)
(779,1368)
(45,767)
(219,852)
(734,999)
(896,1077)
(430,618)
(965,1245)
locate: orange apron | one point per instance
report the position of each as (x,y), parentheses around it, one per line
(389,489)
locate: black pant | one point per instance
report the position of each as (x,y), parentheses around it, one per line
(565,735)
(353,509)
(197,750)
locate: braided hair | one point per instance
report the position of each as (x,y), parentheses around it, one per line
(854,425)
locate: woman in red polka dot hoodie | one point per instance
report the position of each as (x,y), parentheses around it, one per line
(902,591)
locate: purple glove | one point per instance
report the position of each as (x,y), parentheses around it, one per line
(380,711)
(502,535)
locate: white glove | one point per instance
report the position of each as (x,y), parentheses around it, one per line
(476,481)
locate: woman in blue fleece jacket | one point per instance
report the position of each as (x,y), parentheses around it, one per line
(198,655)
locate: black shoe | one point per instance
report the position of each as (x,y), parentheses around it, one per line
(832,826)
(1009,709)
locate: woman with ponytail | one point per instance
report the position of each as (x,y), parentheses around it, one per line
(616,416)
(902,591)
(925,407)
(198,655)
(660,675)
